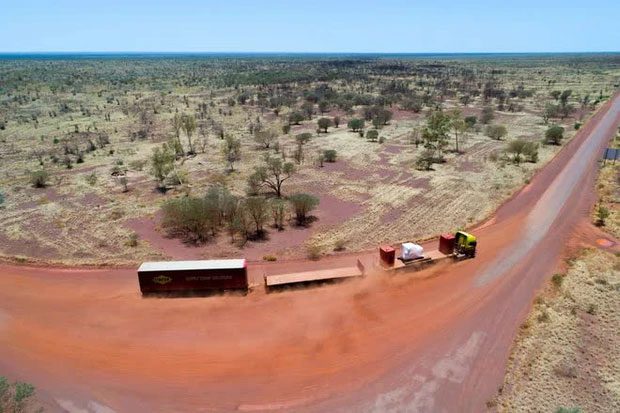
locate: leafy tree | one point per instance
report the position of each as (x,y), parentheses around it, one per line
(555,94)
(324,123)
(295,118)
(458,126)
(323,106)
(264,138)
(302,205)
(435,133)
(487,115)
(177,125)
(551,111)
(188,218)
(278,212)
(303,138)
(39,178)
(232,151)
(564,97)
(257,209)
(272,174)
(308,109)
(286,129)
(530,151)
(517,148)
(496,132)
(162,163)
(356,124)
(554,135)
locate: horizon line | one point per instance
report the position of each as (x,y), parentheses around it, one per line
(296,52)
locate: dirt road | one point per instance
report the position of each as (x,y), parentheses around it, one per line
(431,341)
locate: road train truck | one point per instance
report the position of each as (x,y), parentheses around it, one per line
(459,245)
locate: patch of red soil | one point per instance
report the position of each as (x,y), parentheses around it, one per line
(147,230)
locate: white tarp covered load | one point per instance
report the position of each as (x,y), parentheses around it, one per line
(411,251)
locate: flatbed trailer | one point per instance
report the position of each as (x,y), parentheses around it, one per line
(427,259)
(280,280)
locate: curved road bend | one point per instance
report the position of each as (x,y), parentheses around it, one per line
(432,341)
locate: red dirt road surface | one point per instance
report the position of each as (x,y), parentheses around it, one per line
(435,340)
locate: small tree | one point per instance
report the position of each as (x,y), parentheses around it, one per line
(487,115)
(162,163)
(302,205)
(517,148)
(496,132)
(264,138)
(356,124)
(308,109)
(278,212)
(458,126)
(530,151)
(324,123)
(258,210)
(39,178)
(286,129)
(303,138)
(435,134)
(323,106)
(554,135)
(272,174)
(336,121)
(232,151)
(189,127)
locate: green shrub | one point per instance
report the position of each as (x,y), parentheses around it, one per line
(330,155)
(91,179)
(313,251)
(269,258)
(188,218)
(302,205)
(557,280)
(554,135)
(568,410)
(39,178)
(132,241)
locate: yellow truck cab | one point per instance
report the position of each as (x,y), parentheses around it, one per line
(465,243)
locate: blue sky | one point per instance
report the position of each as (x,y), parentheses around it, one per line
(310,26)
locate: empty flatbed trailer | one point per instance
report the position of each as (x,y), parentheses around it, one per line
(280,280)
(186,276)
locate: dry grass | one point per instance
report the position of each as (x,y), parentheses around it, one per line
(568,350)
(80,222)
